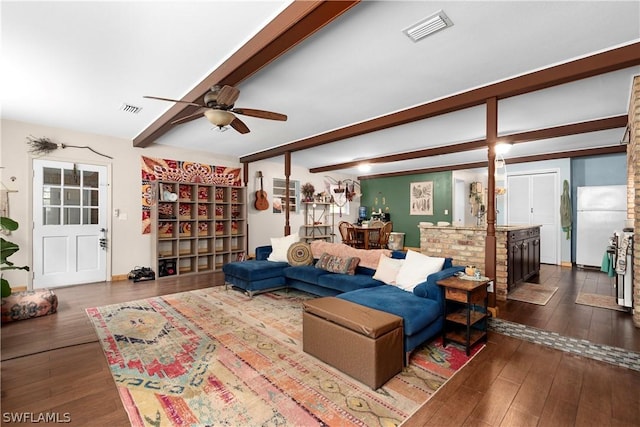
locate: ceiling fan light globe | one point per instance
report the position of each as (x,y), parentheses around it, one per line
(219,117)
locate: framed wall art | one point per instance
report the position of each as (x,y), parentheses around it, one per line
(421,198)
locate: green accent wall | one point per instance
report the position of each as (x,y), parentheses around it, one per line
(395,192)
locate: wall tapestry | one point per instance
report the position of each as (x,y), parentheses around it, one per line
(421,198)
(179,171)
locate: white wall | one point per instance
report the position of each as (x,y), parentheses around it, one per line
(128,247)
(265,224)
(468,176)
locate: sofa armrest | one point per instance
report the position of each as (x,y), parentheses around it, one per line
(263,252)
(430,289)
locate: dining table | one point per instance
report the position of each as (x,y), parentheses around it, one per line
(365,232)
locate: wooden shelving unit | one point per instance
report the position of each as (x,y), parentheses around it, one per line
(318,221)
(197,228)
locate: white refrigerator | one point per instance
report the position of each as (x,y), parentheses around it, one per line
(601,211)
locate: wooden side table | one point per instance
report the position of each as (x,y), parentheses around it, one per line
(465,312)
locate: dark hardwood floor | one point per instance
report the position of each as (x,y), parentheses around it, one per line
(54,364)
(562,315)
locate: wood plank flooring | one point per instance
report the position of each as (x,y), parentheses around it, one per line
(54,364)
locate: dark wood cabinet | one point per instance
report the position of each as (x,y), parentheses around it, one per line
(523,255)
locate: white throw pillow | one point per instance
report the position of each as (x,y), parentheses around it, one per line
(280,247)
(388,269)
(416,268)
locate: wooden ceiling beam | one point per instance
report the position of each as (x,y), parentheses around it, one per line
(516,138)
(600,63)
(525,159)
(298,21)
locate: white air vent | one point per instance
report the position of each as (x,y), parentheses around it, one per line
(428,26)
(128,108)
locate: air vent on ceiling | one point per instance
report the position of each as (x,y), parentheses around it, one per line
(428,26)
(128,108)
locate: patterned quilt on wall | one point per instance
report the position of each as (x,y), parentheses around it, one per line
(180,171)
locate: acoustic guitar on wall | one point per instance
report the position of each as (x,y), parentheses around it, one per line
(261,203)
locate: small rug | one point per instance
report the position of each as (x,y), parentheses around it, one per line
(604,353)
(532,293)
(600,301)
(216,357)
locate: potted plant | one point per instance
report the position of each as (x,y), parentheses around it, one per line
(307,191)
(6,250)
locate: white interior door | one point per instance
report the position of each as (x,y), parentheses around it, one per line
(518,200)
(545,210)
(534,200)
(69,215)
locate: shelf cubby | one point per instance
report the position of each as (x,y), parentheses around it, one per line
(197,227)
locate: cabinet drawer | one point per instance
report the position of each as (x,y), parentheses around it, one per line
(523,234)
(455,294)
(476,297)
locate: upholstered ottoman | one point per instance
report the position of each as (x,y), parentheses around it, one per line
(255,275)
(28,304)
(362,342)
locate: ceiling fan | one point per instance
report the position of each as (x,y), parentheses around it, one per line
(218,108)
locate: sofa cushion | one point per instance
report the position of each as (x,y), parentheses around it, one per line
(254,269)
(417,313)
(299,254)
(416,268)
(388,269)
(368,257)
(280,246)
(304,273)
(346,283)
(338,264)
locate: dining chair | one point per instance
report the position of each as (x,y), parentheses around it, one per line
(374,235)
(348,234)
(383,238)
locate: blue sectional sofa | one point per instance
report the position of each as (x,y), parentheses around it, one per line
(422,310)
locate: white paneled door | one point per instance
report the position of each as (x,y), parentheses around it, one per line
(533,199)
(69,230)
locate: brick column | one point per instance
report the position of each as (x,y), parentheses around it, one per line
(466,245)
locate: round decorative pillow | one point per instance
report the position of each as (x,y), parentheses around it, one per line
(299,253)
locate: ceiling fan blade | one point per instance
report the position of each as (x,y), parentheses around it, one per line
(189,117)
(172,100)
(239,125)
(227,96)
(260,114)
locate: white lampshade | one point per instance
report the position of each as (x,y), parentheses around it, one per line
(219,117)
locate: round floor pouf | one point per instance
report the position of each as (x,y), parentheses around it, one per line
(299,254)
(28,304)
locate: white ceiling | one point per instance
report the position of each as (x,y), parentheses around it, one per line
(73,64)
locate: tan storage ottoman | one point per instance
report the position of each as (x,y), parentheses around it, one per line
(361,342)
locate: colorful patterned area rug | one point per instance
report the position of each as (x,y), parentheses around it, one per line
(532,293)
(216,357)
(600,301)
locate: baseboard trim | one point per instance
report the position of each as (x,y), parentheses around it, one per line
(566,264)
(119,277)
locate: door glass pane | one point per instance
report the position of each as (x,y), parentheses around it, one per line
(72,197)
(71,177)
(50,216)
(89,216)
(51,176)
(51,196)
(90,179)
(90,197)
(71,216)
